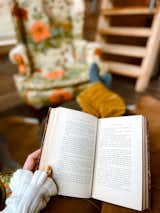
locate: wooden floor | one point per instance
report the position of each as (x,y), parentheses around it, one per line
(125,87)
(20,136)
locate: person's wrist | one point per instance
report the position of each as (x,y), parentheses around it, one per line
(20,179)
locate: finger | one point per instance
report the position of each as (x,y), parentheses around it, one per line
(29,164)
(35,155)
(31,160)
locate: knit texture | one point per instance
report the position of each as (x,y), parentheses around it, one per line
(30,192)
(101,102)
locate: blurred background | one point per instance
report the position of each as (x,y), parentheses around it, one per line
(20,124)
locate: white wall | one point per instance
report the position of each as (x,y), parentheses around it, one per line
(6,25)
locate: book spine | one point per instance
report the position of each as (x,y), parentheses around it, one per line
(43,136)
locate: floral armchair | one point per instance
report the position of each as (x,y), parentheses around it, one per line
(52,57)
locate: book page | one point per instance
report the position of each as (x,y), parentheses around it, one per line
(118,167)
(69,147)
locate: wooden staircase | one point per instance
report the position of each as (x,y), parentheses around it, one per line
(147,53)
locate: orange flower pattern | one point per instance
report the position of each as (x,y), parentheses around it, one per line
(40,31)
(55,74)
(21,65)
(22,68)
(59,96)
(98,51)
(18,58)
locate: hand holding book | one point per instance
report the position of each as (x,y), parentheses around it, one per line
(106,159)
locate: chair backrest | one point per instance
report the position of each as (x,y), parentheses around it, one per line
(47,28)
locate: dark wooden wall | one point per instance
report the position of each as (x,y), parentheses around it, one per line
(91,18)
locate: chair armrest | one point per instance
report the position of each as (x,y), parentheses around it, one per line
(18,55)
(87,51)
(93,53)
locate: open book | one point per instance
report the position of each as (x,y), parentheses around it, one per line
(106,159)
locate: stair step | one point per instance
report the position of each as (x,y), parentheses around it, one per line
(123,69)
(125,50)
(129,11)
(126,31)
